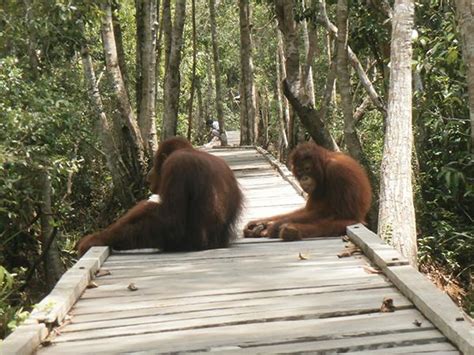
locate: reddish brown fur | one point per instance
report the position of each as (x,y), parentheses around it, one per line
(200,203)
(341,197)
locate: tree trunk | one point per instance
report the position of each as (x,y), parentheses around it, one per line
(344,82)
(193,70)
(292,86)
(310,44)
(217,72)
(52,261)
(119,43)
(283,102)
(32,54)
(396,212)
(282,105)
(120,93)
(465,15)
(247,91)
(146,72)
(112,157)
(173,76)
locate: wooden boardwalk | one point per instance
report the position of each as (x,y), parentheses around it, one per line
(259,296)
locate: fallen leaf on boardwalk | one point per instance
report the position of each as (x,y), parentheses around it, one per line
(132,287)
(349,250)
(92,284)
(102,272)
(371,270)
(387,305)
(417,323)
(303,257)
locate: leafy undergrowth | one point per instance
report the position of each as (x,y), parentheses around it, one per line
(461,293)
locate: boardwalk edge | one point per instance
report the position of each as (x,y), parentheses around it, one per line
(282,169)
(430,301)
(54,307)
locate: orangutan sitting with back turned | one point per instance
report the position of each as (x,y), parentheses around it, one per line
(196,204)
(339,195)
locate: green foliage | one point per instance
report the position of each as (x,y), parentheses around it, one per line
(443,143)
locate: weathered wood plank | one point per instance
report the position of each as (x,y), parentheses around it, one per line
(247,334)
(380,343)
(433,303)
(24,340)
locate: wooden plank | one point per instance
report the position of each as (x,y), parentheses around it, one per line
(24,340)
(211,314)
(443,348)
(431,301)
(380,343)
(246,335)
(54,307)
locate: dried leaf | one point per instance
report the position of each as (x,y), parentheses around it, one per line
(371,270)
(417,323)
(92,284)
(132,287)
(303,257)
(102,272)
(350,250)
(387,305)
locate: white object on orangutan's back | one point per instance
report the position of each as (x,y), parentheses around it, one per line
(154,198)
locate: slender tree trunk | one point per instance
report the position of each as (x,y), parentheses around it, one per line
(396,214)
(247,92)
(376,99)
(124,106)
(292,84)
(280,100)
(193,70)
(146,72)
(53,265)
(119,43)
(465,15)
(310,44)
(173,76)
(159,52)
(344,81)
(32,55)
(281,73)
(113,160)
(217,72)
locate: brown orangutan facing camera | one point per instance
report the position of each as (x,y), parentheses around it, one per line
(339,195)
(196,204)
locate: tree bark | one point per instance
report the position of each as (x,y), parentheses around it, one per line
(247,91)
(310,44)
(112,156)
(52,262)
(396,212)
(146,72)
(292,84)
(344,82)
(120,93)
(193,70)
(173,76)
(217,72)
(282,104)
(288,120)
(32,54)
(119,43)
(376,99)
(465,16)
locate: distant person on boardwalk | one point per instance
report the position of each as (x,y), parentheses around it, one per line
(214,133)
